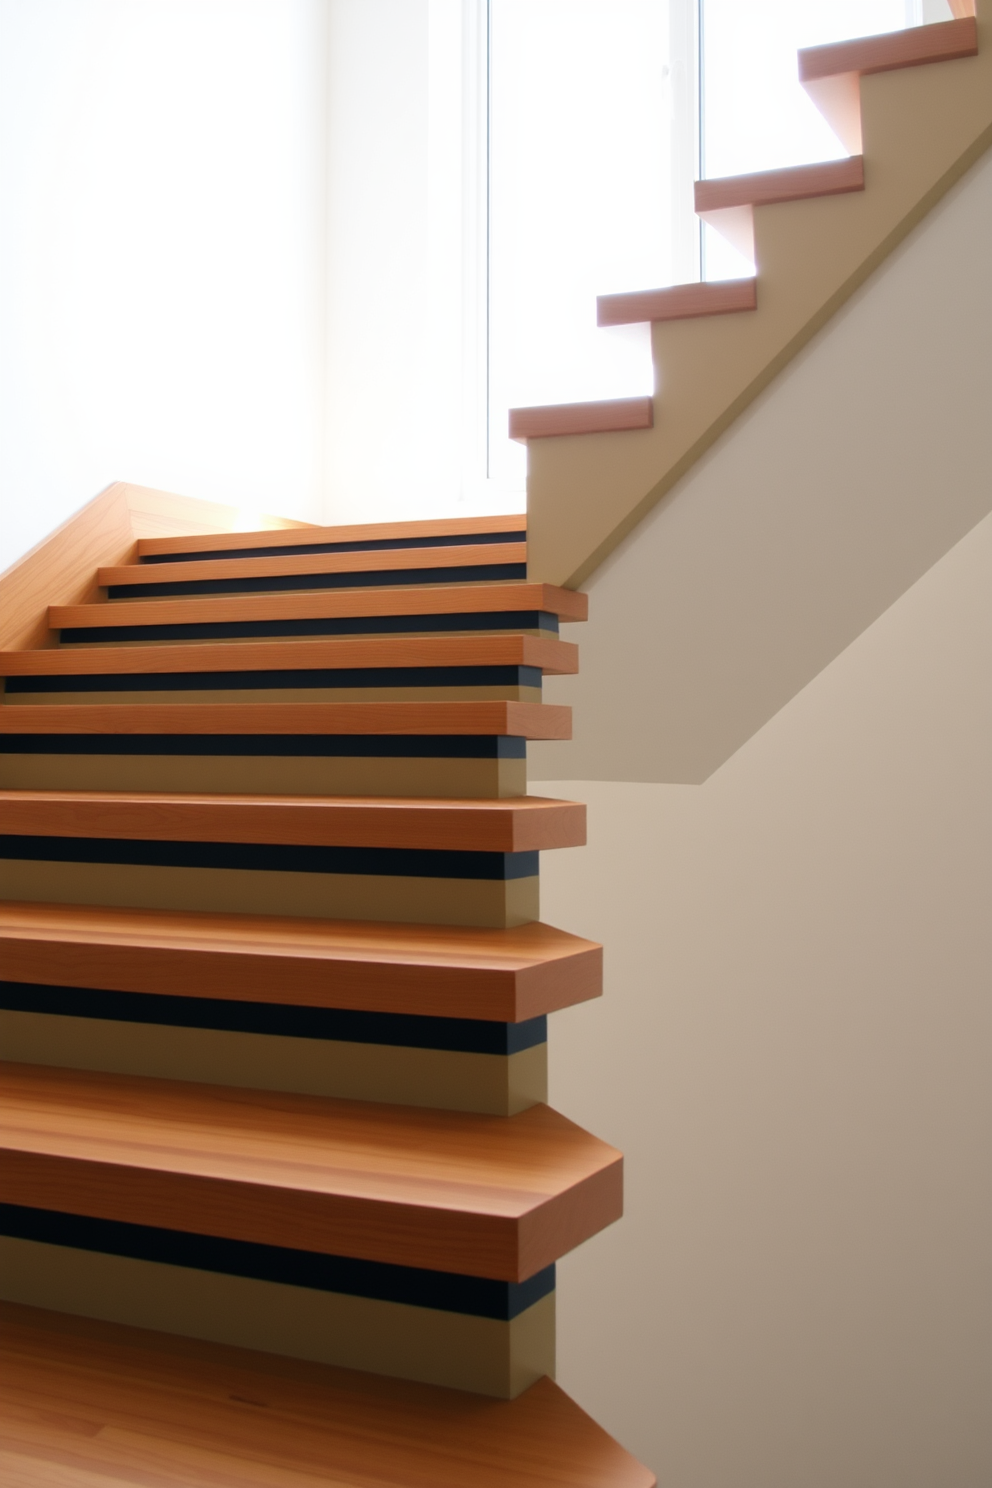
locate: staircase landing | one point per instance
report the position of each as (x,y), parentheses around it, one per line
(86,1404)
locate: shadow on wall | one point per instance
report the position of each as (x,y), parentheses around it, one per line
(859,468)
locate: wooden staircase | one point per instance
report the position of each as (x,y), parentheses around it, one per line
(282,1200)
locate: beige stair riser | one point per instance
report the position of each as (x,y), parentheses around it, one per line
(483,1355)
(447,1079)
(493,903)
(270,697)
(267,775)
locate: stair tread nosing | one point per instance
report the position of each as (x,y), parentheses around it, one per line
(290,654)
(435,971)
(447,599)
(792,183)
(507,825)
(945,41)
(499,1197)
(187,1414)
(398,559)
(678,302)
(390,533)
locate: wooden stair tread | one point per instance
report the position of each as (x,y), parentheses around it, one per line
(507,825)
(498,1197)
(435,971)
(291,654)
(945,41)
(677,302)
(84,1403)
(378,560)
(614,415)
(519,720)
(447,599)
(793,183)
(379,532)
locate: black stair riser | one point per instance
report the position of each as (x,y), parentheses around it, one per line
(288,583)
(340,1025)
(274,858)
(442,1291)
(295,746)
(371,545)
(509,620)
(482,676)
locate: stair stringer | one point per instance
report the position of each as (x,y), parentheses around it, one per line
(923,128)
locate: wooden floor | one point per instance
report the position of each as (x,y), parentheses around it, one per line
(91,1405)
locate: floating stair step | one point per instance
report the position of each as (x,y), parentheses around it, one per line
(288,571)
(728,203)
(498,1197)
(832,74)
(794,183)
(375,652)
(505,606)
(612,416)
(519,720)
(85,1403)
(433,971)
(677,302)
(351,538)
(527,824)
(469,863)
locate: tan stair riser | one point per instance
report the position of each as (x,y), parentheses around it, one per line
(492,903)
(447,1079)
(483,1355)
(270,697)
(446,778)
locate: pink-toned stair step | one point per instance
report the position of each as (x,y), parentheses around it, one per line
(794,183)
(914,47)
(832,74)
(677,302)
(612,416)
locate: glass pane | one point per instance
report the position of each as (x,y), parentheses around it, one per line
(756,116)
(581,199)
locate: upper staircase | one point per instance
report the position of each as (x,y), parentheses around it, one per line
(914,109)
(282,1199)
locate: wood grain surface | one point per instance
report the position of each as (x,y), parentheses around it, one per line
(520,824)
(613,415)
(462,555)
(913,47)
(63,568)
(85,1404)
(438,971)
(795,182)
(449,1190)
(441,599)
(298,655)
(677,302)
(439,527)
(492,719)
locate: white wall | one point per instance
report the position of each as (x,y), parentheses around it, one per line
(793,1053)
(162,250)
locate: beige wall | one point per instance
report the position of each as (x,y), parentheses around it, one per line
(793,1052)
(784,734)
